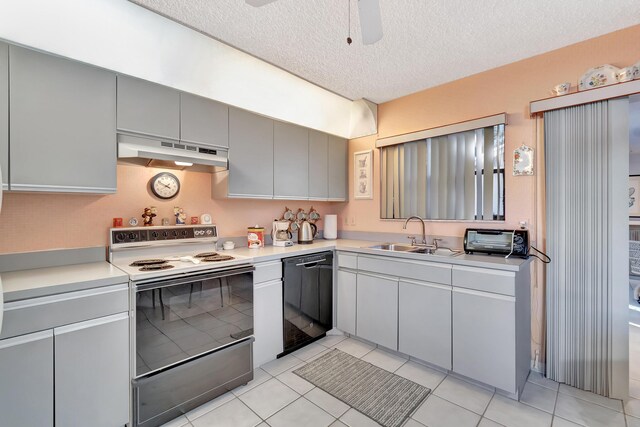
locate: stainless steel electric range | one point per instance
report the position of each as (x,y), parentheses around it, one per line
(193,328)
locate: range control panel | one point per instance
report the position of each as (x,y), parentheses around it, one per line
(152,234)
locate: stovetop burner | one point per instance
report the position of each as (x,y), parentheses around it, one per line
(152,267)
(144,262)
(217,258)
(206,254)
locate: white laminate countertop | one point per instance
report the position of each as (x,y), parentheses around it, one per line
(269,253)
(37,282)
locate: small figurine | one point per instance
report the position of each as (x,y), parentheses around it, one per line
(147,216)
(181,217)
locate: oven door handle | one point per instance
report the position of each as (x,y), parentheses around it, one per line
(193,278)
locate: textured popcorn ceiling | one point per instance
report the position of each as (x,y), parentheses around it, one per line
(425,43)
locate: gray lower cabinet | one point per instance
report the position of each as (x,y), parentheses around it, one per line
(377,310)
(148,108)
(250,155)
(92,372)
(203,121)
(337,168)
(424,321)
(4,114)
(62,124)
(267,321)
(318,165)
(290,161)
(346,296)
(26,375)
(484,341)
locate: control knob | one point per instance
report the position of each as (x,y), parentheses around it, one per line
(120,237)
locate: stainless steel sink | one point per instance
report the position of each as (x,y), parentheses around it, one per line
(427,250)
(396,247)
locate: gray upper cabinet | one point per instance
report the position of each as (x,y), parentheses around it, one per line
(290,161)
(337,168)
(148,108)
(92,372)
(62,124)
(318,166)
(4,114)
(250,155)
(203,121)
(26,373)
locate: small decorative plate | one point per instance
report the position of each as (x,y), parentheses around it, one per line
(603,75)
(523,161)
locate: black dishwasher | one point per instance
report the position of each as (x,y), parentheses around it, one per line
(308,299)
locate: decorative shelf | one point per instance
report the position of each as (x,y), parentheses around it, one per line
(577,98)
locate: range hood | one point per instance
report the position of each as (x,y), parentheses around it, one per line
(170,154)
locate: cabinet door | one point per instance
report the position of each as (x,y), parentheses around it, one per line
(203,121)
(250,155)
(424,322)
(377,310)
(62,124)
(267,322)
(92,372)
(148,108)
(337,169)
(290,161)
(4,114)
(346,301)
(318,166)
(26,375)
(484,337)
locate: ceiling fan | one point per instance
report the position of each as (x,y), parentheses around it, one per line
(370,21)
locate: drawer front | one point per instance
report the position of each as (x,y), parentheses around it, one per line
(37,314)
(481,279)
(347,260)
(267,272)
(418,270)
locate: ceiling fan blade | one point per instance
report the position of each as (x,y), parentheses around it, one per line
(258,3)
(370,20)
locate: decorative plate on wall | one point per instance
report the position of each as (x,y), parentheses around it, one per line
(523,161)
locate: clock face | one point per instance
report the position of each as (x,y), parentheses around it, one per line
(165,185)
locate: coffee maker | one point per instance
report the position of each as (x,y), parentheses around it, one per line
(280,234)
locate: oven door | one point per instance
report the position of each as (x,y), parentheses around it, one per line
(180,319)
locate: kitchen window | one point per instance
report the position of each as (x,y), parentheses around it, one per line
(451,176)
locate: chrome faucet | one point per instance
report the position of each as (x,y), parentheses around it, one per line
(424,236)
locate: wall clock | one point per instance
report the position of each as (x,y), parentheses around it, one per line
(164,185)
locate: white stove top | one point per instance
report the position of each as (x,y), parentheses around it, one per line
(178,266)
(178,252)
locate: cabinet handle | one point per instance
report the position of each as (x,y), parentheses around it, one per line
(90,323)
(23,339)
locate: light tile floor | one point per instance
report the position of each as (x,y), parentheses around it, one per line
(279,398)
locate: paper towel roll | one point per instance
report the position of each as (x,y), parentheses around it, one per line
(330,227)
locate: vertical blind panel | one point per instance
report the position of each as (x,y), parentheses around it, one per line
(421,153)
(489,157)
(577,151)
(469,176)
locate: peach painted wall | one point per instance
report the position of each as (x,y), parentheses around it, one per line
(37,221)
(507,89)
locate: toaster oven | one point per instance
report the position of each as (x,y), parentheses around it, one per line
(497,242)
